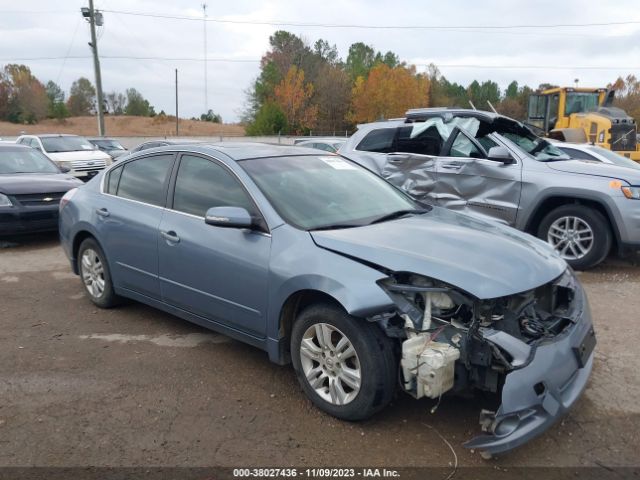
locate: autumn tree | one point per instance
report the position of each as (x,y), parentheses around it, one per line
(388,92)
(82,97)
(22,94)
(628,95)
(293,96)
(332,94)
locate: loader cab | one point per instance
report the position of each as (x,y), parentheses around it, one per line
(552,108)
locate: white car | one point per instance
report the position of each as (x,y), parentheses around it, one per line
(587,151)
(71,152)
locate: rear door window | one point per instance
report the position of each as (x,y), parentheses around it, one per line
(144,180)
(379,141)
(578,154)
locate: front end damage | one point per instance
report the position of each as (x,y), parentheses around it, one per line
(533,350)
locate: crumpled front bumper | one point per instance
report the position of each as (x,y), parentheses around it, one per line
(535,396)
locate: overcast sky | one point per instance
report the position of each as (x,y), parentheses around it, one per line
(46,28)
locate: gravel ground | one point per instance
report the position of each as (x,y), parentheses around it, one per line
(133,386)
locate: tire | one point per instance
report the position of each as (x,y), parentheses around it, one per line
(373,356)
(95,274)
(568,228)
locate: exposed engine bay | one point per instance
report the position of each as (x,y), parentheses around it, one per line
(453,342)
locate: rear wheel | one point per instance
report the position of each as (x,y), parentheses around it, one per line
(580,234)
(345,365)
(95,275)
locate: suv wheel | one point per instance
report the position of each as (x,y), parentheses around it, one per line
(581,235)
(345,365)
(95,275)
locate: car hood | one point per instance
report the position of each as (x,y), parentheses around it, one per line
(79,155)
(117,153)
(485,259)
(26,183)
(596,168)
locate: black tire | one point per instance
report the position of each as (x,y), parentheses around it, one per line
(602,236)
(375,356)
(107,298)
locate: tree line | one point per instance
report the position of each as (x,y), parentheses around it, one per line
(303,88)
(25,99)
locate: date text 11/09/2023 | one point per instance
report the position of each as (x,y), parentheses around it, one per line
(315,473)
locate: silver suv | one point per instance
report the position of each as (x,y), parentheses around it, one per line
(492,166)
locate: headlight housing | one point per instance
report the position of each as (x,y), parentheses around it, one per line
(631,192)
(5,201)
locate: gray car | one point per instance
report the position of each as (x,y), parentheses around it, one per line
(494,167)
(323,264)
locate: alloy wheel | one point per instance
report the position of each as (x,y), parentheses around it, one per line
(571,236)
(330,364)
(92,272)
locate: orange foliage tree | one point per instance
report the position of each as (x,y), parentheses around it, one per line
(388,92)
(293,96)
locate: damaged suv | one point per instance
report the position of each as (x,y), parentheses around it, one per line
(493,167)
(322,263)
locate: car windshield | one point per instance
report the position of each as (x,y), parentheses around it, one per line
(537,147)
(108,144)
(66,144)
(25,161)
(614,157)
(326,192)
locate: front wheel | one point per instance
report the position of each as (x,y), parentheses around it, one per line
(345,365)
(581,235)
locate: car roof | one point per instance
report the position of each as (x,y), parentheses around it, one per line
(13,147)
(247,150)
(48,135)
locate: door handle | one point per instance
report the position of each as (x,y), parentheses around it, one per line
(452,166)
(103,212)
(170,236)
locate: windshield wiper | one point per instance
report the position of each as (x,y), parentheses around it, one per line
(398,214)
(334,226)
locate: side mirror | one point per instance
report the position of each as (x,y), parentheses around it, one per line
(64,169)
(228,217)
(501,154)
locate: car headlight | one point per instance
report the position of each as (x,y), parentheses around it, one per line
(631,192)
(4,201)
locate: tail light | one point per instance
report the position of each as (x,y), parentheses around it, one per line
(66,197)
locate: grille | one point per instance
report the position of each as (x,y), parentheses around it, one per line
(623,137)
(84,165)
(39,199)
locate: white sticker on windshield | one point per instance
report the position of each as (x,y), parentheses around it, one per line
(337,163)
(86,147)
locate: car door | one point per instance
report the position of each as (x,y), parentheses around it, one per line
(470,182)
(127,217)
(220,274)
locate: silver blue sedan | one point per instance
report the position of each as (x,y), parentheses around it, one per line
(323,264)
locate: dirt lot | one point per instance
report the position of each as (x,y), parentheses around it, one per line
(133,386)
(123,126)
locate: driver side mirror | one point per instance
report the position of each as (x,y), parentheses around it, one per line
(228,217)
(64,169)
(500,154)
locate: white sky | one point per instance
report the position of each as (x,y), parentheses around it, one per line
(51,28)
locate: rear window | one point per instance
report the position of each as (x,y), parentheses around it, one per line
(144,180)
(379,140)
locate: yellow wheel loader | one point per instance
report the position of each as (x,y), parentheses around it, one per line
(581,115)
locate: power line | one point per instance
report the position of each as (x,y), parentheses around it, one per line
(238,60)
(380,27)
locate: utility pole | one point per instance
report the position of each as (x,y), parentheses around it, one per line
(94,18)
(204,24)
(177,128)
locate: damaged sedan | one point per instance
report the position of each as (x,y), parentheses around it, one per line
(327,266)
